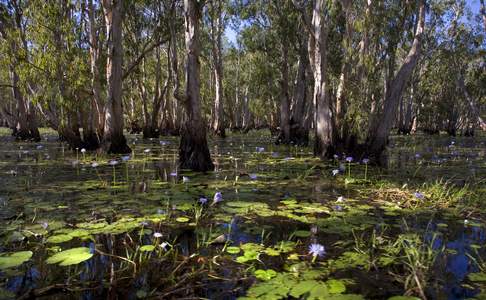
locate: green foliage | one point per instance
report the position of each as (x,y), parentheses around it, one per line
(70,257)
(15,259)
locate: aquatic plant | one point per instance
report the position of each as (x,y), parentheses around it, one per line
(316,250)
(83,152)
(366,161)
(218,197)
(349,160)
(419,195)
(113,163)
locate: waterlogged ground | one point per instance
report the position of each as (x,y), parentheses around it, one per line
(270,222)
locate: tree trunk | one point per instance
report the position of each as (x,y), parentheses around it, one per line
(299,132)
(216,35)
(193,149)
(378,138)
(113,140)
(476,116)
(317,56)
(96,117)
(341,127)
(284,134)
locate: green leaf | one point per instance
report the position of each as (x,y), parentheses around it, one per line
(147,248)
(335,286)
(303,287)
(14,259)
(265,275)
(182,219)
(319,291)
(302,233)
(233,250)
(61,238)
(70,257)
(477,277)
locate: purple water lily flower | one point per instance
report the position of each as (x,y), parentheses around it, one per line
(218,197)
(419,195)
(173,174)
(253,176)
(366,161)
(164,143)
(338,207)
(317,250)
(203,200)
(259,149)
(125,158)
(349,159)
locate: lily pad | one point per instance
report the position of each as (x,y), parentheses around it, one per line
(147,248)
(265,274)
(477,277)
(182,219)
(14,259)
(60,238)
(233,250)
(71,256)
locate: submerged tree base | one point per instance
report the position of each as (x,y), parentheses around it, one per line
(194,152)
(116,145)
(26,135)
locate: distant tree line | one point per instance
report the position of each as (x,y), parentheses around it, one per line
(348,73)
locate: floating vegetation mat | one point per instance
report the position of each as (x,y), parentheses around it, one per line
(271,222)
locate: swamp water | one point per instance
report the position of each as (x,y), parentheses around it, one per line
(75,225)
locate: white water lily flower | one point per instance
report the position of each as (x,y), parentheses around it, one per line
(113,162)
(317,250)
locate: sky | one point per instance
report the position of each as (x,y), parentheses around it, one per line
(231,34)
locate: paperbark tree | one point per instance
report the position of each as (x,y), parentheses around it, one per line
(378,138)
(193,149)
(113,139)
(317,56)
(217,28)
